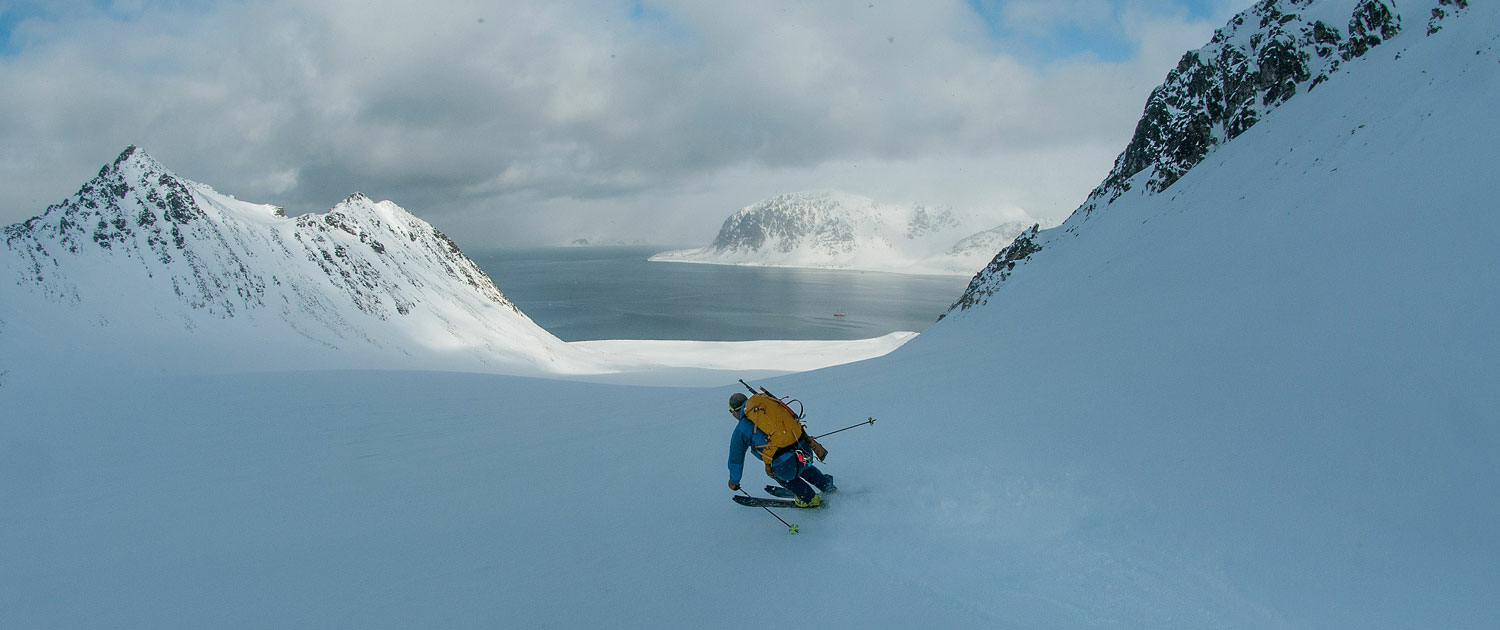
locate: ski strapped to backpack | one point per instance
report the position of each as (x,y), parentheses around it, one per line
(782,426)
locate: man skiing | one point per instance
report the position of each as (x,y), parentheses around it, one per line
(792,468)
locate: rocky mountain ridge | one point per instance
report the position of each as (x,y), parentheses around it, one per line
(365,276)
(1261,59)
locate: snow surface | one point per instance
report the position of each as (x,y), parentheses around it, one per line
(669,362)
(1263,398)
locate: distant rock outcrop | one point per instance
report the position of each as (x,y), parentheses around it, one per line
(825,229)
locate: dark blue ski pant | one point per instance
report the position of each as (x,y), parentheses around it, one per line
(801,477)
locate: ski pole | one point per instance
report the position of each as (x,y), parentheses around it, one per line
(869,421)
(790,528)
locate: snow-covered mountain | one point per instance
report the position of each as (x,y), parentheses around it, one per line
(1263,58)
(162,265)
(834,230)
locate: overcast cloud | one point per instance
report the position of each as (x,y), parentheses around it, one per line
(529,123)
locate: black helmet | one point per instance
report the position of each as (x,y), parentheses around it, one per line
(737,402)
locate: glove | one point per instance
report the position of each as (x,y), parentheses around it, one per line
(734,486)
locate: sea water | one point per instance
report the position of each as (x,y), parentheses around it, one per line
(590,293)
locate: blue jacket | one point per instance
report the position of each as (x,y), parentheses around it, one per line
(745,437)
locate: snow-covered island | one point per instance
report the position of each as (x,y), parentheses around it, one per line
(835,230)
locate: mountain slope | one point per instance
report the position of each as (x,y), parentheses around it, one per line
(149,259)
(1263,58)
(1267,387)
(826,229)
(1260,398)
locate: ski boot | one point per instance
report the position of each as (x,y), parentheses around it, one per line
(816,501)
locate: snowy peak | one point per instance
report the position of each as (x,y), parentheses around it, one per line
(137,213)
(827,218)
(98,211)
(366,276)
(784,223)
(387,233)
(829,229)
(1258,62)
(135,160)
(925,220)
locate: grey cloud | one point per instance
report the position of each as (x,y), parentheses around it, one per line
(480,113)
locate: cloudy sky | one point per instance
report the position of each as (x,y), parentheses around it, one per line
(511,123)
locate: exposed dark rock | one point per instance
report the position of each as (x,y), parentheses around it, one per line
(1218,92)
(1260,60)
(980,288)
(137,214)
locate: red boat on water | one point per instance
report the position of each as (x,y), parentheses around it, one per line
(838,314)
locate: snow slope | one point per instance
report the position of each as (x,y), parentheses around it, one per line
(158,267)
(1260,398)
(834,230)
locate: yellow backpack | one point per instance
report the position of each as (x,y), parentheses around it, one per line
(782,426)
(775,419)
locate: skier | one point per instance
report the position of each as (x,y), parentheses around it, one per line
(793,469)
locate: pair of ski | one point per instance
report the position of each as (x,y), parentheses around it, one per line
(784,499)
